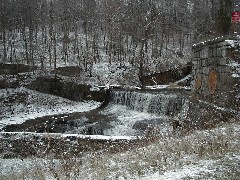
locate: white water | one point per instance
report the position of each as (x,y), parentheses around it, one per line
(151,112)
(158,104)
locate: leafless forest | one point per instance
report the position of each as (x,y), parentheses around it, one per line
(87,31)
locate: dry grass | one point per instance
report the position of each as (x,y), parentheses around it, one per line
(168,153)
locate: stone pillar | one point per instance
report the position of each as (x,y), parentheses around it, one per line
(212,78)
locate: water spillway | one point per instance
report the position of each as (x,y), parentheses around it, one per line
(124,113)
(159,104)
(131,113)
(135,113)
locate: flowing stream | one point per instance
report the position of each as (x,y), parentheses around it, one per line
(160,104)
(125,113)
(138,113)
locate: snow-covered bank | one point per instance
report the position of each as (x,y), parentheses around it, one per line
(208,154)
(225,167)
(21,104)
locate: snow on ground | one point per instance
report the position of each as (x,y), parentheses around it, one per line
(17,166)
(21,104)
(80,136)
(186,171)
(235,66)
(171,86)
(208,154)
(200,170)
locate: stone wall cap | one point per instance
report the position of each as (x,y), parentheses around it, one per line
(229,40)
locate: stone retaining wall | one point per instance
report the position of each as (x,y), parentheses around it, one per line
(212,72)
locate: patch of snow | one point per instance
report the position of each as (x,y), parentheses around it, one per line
(231,42)
(81,136)
(236,75)
(136,163)
(184,79)
(218,107)
(157,87)
(235,67)
(94,88)
(189,171)
(35,105)
(168,87)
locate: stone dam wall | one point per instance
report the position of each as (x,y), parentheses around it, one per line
(215,72)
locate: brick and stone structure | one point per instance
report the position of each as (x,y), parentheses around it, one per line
(215,71)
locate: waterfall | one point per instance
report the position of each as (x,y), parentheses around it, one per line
(160,104)
(132,113)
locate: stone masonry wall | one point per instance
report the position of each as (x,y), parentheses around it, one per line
(213,78)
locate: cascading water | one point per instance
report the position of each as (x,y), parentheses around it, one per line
(158,104)
(136,111)
(133,113)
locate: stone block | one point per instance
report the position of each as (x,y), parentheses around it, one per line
(205,52)
(194,67)
(200,71)
(205,70)
(206,93)
(215,62)
(223,79)
(223,61)
(210,52)
(222,44)
(194,71)
(219,52)
(195,54)
(198,54)
(220,69)
(194,60)
(204,81)
(204,62)
(224,52)
(214,53)
(210,62)
(226,69)
(201,54)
